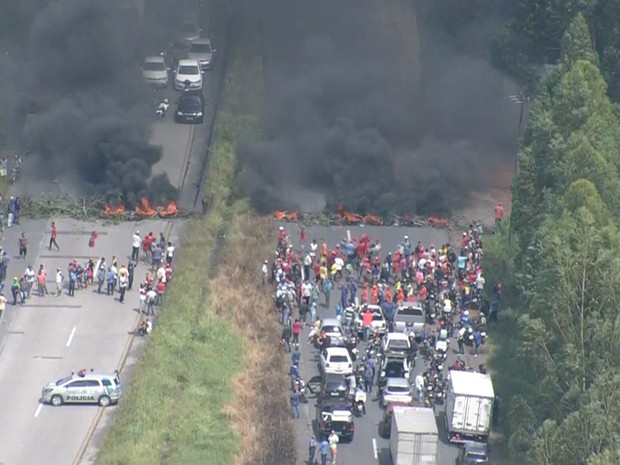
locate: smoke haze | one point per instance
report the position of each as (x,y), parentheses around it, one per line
(72,82)
(362,111)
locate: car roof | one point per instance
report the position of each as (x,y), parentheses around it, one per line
(155,59)
(400,336)
(330,322)
(476,447)
(337,351)
(334,377)
(188,62)
(94,374)
(397,382)
(202,41)
(413,304)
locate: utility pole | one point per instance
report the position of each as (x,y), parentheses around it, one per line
(522,100)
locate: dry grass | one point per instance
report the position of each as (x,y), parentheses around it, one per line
(260,412)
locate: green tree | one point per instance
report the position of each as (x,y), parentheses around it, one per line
(576,43)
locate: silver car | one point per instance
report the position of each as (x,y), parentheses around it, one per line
(155,71)
(187,32)
(333,329)
(83,388)
(396,390)
(202,51)
(409,314)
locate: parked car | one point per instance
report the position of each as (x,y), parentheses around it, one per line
(190,107)
(396,344)
(392,367)
(396,390)
(409,314)
(336,360)
(335,415)
(473,453)
(333,329)
(378,320)
(201,51)
(83,388)
(188,75)
(155,71)
(187,33)
(328,385)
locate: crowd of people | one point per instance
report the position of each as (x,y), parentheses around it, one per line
(447,279)
(112,277)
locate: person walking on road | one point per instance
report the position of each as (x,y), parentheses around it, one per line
(59,279)
(368,376)
(53,236)
(286,337)
(23,246)
(295,399)
(324,450)
(111,279)
(333,445)
(3,301)
(499,215)
(15,290)
(311,451)
(477,341)
(419,387)
(42,281)
(30,278)
(122,286)
(135,246)
(265,272)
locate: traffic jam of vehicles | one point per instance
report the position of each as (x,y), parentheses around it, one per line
(189,56)
(402,325)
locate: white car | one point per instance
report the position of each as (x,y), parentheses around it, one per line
(155,71)
(188,75)
(397,344)
(333,329)
(336,360)
(378,320)
(396,390)
(201,51)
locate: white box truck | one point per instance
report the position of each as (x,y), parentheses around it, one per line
(414,439)
(469,406)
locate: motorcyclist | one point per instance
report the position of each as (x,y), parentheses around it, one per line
(360,398)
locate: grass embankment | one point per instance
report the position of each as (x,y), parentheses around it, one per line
(208,389)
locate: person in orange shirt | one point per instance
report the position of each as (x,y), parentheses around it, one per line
(388,294)
(323,248)
(374,295)
(160,289)
(365,294)
(499,215)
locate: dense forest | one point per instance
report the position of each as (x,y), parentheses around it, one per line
(557,361)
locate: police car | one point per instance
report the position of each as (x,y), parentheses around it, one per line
(84,388)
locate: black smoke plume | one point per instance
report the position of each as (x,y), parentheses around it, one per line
(372,111)
(78,103)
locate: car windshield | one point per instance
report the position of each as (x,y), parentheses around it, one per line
(189,70)
(394,370)
(338,359)
(331,329)
(154,66)
(410,311)
(377,317)
(334,385)
(62,381)
(398,344)
(200,48)
(399,389)
(190,104)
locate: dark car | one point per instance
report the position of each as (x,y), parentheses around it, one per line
(473,453)
(335,415)
(392,367)
(190,108)
(328,386)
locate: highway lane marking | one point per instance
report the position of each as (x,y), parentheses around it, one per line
(71,337)
(374,448)
(38,410)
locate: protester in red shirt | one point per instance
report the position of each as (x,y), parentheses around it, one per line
(499,215)
(296,331)
(53,235)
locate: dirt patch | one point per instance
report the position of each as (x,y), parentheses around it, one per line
(260,412)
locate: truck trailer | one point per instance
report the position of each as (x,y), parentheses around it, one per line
(414,439)
(469,406)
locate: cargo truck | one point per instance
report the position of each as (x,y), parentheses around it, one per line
(414,438)
(469,406)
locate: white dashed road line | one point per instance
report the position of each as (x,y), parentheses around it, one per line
(36,413)
(71,337)
(374,448)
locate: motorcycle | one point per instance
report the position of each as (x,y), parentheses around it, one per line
(300,386)
(162,108)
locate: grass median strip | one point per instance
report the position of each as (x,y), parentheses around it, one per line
(204,392)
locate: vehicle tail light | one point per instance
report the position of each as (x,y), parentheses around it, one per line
(326,364)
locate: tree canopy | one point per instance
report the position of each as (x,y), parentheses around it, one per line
(559,371)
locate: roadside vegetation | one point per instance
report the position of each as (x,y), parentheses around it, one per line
(555,358)
(210,389)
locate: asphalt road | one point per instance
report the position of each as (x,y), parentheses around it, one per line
(368,447)
(48,337)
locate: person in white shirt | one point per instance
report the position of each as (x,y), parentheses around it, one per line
(265,271)
(169,253)
(30,276)
(419,386)
(161,274)
(59,279)
(135,246)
